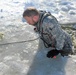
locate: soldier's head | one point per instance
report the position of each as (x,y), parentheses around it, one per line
(31,15)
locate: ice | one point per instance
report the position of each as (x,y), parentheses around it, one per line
(29,58)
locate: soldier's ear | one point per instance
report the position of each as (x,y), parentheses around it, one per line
(35,18)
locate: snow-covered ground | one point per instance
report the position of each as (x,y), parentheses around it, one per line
(29,58)
(64,10)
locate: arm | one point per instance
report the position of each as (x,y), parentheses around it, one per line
(52,27)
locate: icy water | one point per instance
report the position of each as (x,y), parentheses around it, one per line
(27,58)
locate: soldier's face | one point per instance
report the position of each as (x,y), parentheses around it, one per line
(30,20)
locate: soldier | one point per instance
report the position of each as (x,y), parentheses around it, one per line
(50,31)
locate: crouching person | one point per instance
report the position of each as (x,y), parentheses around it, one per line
(50,31)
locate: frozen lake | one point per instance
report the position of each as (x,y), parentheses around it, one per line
(29,58)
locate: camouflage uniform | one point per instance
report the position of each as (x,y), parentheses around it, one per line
(52,33)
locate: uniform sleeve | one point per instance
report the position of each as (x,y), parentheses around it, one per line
(53,27)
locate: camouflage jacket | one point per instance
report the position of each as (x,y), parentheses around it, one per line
(51,32)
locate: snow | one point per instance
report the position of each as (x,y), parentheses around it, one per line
(29,58)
